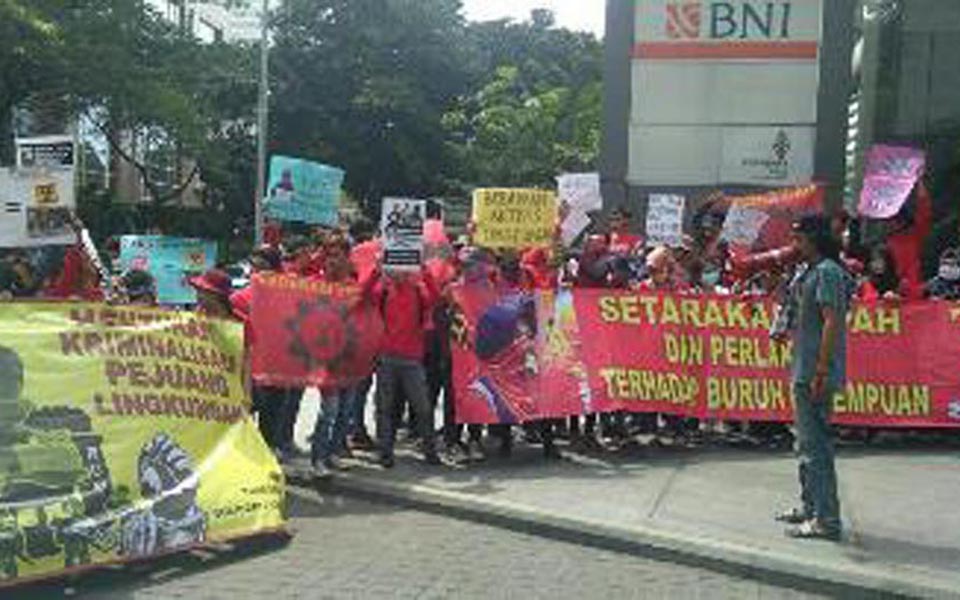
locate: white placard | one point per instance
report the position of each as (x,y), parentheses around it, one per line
(580,192)
(665,219)
(401,225)
(743,225)
(35,206)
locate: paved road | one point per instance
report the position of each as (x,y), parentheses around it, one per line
(345,548)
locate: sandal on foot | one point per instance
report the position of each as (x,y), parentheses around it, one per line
(813,530)
(794,516)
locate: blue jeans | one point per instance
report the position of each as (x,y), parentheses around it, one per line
(818,474)
(330,431)
(358,411)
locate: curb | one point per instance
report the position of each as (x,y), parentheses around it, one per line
(856,581)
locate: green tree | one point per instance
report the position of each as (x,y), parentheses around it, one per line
(537,108)
(129,71)
(132,73)
(29,43)
(364,85)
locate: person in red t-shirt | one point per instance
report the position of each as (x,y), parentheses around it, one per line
(407,301)
(905,242)
(329,437)
(622,240)
(77,280)
(276,407)
(537,273)
(881,280)
(365,257)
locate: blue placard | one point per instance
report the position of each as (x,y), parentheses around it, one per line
(171,261)
(304,191)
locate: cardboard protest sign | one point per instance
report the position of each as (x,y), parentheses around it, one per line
(303,191)
(171,261)
(580,194)
(665,219)
(35,207)
(130,437)
(514,218)
(763,221)
(891,174)
(401,227)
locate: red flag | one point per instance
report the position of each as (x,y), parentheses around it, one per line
(310,332)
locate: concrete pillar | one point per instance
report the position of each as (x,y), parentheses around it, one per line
(837,84)
(616,102)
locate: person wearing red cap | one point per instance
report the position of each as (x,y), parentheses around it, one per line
(213,294)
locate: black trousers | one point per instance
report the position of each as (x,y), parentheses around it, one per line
(268,403)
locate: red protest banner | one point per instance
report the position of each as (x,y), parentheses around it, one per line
(692,356)
(711,357)
(309,332)
(516,356)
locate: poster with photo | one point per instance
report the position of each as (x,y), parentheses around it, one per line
(401,225)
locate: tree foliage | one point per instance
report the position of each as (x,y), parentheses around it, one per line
(131,73)
(364,85)
(405,95)
(410,99)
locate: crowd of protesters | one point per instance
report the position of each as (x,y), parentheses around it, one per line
(414,372)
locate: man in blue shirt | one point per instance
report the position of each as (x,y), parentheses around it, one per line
(820,296)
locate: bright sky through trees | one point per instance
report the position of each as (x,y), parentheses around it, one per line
(582,15)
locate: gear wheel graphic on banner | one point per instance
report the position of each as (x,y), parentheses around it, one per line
(322,334)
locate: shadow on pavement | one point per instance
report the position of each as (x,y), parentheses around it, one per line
(527,463)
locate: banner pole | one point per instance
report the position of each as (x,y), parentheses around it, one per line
(263,108)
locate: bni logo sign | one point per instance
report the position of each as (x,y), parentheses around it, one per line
(734,20)
(683,20)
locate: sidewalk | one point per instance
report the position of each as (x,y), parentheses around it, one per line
(712,506)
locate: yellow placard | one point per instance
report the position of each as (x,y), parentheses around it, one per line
(514,218)
(45,194)
(124,433)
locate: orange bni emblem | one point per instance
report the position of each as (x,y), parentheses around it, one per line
(684,19)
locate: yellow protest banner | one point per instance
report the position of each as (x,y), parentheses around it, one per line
(514,218)
(124,434)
